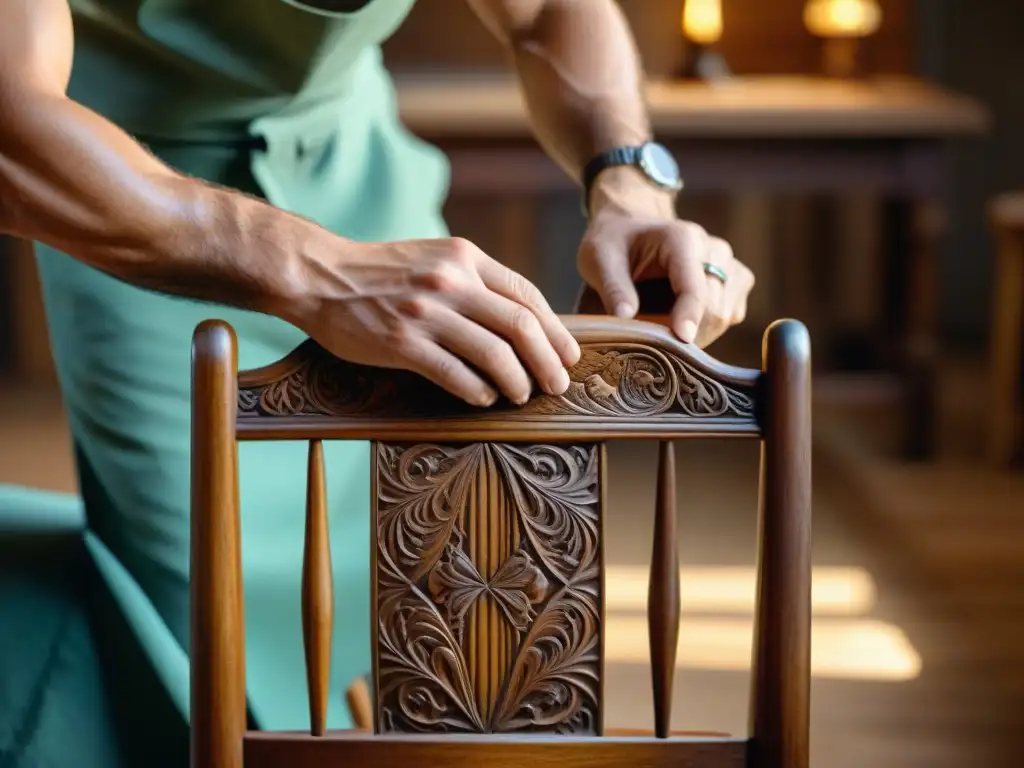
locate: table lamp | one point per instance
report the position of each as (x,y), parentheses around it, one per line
(842,24)
(702,29)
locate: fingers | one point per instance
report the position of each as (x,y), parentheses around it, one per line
(513,286)
(494,320)
(720,296)
(684,249)
(491,355)
(517,324)
(609,274)
(425,357)
(706,307)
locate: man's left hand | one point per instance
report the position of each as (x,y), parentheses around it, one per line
(634,235)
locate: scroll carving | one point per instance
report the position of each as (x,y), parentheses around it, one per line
(488,588)
(624,380)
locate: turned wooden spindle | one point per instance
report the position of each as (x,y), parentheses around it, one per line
(360,704)
(317,592)
(663,592)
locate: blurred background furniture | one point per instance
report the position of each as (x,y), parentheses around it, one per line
(777,135)
(918,567)
(1006,426)
(489,578)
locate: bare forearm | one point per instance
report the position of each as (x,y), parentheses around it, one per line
(72,180)
(579,72)
(582,81)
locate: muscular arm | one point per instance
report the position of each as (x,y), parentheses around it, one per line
(582,81)
(73,180)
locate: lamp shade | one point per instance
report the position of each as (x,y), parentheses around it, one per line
(842,18)
(702,21)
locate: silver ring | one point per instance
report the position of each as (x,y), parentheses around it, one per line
(716,272)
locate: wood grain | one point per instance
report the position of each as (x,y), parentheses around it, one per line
(633,380)
(487,554)
(273,750)
(663,606)
(217,626)
(488,588)
(317,591)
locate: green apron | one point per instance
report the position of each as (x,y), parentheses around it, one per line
(94,593)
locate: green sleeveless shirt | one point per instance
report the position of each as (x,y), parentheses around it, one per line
(194,79)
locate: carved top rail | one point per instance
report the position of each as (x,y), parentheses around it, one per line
(634,380)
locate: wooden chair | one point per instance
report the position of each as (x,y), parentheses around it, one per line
(1006,428)
(488,569)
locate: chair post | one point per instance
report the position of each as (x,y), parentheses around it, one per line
(780,696)
(217,717)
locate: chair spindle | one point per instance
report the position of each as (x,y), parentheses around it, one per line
(317,592)
(663,592)
(360,704)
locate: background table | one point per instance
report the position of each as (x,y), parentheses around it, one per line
(806,135)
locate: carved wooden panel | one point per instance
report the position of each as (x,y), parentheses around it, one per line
(488,588)
(631,380)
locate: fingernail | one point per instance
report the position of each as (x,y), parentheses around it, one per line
(688,332)
(487,399)
(560,383)
(574,352)
(624,310)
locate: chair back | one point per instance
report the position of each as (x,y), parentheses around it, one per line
(488,558)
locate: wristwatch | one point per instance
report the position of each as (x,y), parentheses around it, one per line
(651,158)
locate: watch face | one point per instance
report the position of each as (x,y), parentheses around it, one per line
(658,163)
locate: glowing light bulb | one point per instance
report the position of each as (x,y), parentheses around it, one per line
(842,18)
(702,21)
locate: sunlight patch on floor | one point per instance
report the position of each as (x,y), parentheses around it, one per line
(717,627)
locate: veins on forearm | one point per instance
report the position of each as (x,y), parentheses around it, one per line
(582,80)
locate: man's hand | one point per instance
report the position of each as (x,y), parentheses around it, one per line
(443,309)
(634,235)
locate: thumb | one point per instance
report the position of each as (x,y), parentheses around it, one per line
(605,267)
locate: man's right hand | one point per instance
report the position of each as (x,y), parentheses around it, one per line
(443,309)
(73,180)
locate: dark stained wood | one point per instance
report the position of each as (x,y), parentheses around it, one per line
(1006,421)
(217,622)
(663,596)
(633,380)
(492,552)
(317,592)
(344,748)
(780,699)
(487,554)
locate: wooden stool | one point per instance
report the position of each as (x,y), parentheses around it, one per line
(1006,214)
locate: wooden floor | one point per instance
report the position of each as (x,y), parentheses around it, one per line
(919,586)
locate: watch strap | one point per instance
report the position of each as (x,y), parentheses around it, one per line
(605,160)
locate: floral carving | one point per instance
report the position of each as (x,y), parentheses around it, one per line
(488,588)
(517,586)
(625,380)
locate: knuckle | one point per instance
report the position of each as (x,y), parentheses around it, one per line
(748,276)
(416,307)
(693,229)
(498,357)
(462,251)
(521,287)
(446,370)
(444,277)
(522,323)
(722,249)
(400,339)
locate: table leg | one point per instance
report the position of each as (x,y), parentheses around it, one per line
(915,229)
(1005,349)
